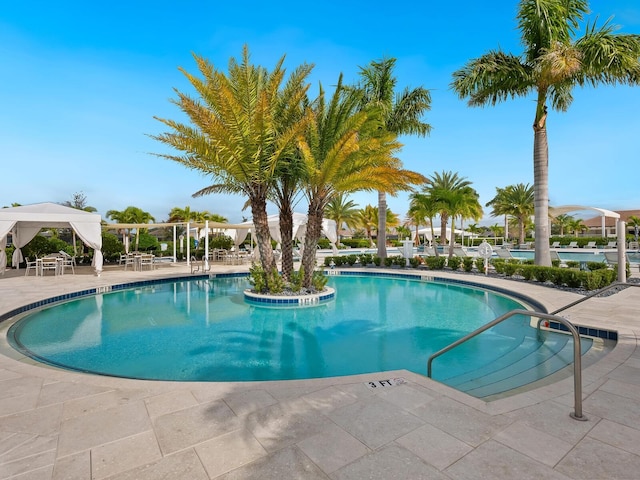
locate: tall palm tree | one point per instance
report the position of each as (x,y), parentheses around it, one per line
(401,115)
(367,219)
(577,226)
(562,221)
(131,215)
(242,128)
(342,155)
(342,211)
(457,202)
(515,201)
(439,187)
(553,63)
(425,208)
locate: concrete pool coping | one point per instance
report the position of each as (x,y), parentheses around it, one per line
(60,424)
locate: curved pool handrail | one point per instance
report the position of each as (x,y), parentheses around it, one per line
(577,359)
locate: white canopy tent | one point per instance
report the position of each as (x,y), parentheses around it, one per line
(436,231)
(555,211)
(25,222)
(299,229)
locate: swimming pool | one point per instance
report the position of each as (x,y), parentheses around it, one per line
(203,330)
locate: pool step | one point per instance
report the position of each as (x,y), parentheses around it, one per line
(523,366)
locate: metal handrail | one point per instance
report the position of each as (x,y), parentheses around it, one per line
(594,294)
(577,359)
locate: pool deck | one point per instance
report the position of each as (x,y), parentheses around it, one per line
(57,424)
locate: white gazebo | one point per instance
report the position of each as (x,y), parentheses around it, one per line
(25,222)
(555,211)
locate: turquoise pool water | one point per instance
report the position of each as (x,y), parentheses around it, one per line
(202,330)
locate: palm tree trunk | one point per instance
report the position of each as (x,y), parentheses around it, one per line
(452,241)
(263,237)
(382,225)
(314,230)
(541,192)
(286,240)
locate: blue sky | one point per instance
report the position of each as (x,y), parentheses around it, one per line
(82,81)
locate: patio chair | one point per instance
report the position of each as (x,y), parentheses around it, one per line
(67,262)
(31,265)
(572,245)
(591,245)
(612,244)
(50,263)
(146,260)
(634,246)
(555,244)
(126,260)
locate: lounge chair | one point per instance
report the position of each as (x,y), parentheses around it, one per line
(634,246)
(459,252)
(572,245)
(555,245)
(591,245)
(613,244)
(611,258)
(555,257)
(504,253)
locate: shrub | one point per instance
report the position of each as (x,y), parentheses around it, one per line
(388,261)
(511,269)
(275,282)
(415,262)
(220,241)
(257,278)
(351,259)
(324,243)
(319,280)
(296,279)
(527,272)
(377,260)
(435,263)
(593,266)
(327,261)
(480,264)
(467,263)
(543,274)
(366,259)
(400,261)
(573,263)
(454,263)
(112,247)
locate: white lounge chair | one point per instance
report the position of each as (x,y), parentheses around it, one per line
(591,245)
(504,253)
(613,244)
(555,245)
(554,256)
(460,252)
(572,245)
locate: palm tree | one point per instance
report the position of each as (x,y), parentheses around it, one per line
(401,115)
(425,208)
(243,127)
(577,226)
(342,155)
(515,201)
(342,211)
(440,186)
(367,219)
(634,222)
(552,64)
(562,221)
(462,202)
(131,215)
